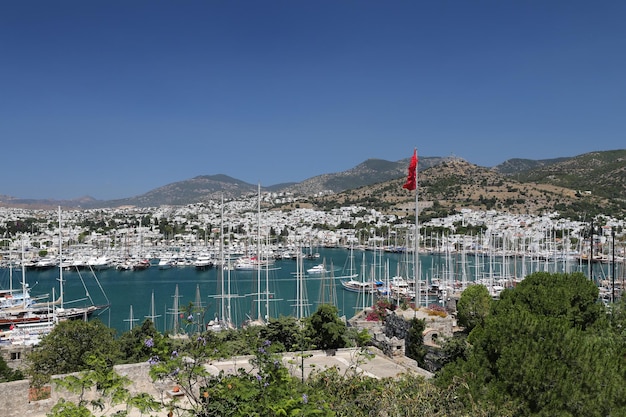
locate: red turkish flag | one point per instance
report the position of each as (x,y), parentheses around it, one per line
(411,180)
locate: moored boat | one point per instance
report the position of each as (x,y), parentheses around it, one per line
(368,287)
(203,262)
(317,269)
(99,262)
(166,263)
(141,265)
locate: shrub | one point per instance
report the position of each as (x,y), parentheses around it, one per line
(379,310)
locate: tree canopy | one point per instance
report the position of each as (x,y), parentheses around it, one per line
(545,348)
(7,374)
(325,329)
(69,346)
(473,306)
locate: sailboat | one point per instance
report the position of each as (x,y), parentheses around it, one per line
(153,316)
(301,302)
(29,312)
(18,307)
(350,283)
(62,313)
(262,297)
(223,320)
(13,297)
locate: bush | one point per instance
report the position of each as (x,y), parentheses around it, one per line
(436,310)
(379,310)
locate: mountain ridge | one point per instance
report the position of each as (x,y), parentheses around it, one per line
(604,172)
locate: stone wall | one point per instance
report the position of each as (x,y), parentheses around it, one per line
(436,328)
(392,347)
(18,400)
(14,355)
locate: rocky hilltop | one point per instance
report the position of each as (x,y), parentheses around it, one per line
(588,183)
(454,184)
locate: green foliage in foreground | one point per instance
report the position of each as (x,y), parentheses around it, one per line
(546,348)
(7,374)
(473,306)
(266,386)
(112,390)
(67,349)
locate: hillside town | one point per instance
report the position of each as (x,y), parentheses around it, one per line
(120,234)
(256,232)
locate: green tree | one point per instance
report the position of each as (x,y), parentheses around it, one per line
(414,342)
(357,338)
(325,329)
(284,333)
(572,297)
(7,374)
(473,306)
(406,395)
(111,389)
(137,344)
(69,345)
(454,348)
(546,347)
(235,342)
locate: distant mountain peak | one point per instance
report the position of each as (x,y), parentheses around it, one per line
(601,171)
(218,178)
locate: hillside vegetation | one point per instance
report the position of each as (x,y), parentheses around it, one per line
(602,173)
(454,184)
(576,187)
(546,347)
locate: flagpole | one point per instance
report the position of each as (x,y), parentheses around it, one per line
(416,267)
(411,184)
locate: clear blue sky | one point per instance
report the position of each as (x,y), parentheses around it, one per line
(114,98)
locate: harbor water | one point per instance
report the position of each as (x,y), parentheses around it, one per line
(279,290)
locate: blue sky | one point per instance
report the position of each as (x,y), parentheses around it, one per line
(114,98)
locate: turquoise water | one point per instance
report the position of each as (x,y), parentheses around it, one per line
(124,289)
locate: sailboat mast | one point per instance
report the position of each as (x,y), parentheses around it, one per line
(298,293)
(303,294)
(258,252)
(23,277)
(229,320)
(363,292)
(199,311)
(10,270)
(131,319)
(60,260)
(153,315)
(267,283)
(222,310)
(175,309)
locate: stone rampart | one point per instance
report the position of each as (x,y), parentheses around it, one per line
(17,399)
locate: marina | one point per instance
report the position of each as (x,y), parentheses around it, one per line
(231,265)
(184,298)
